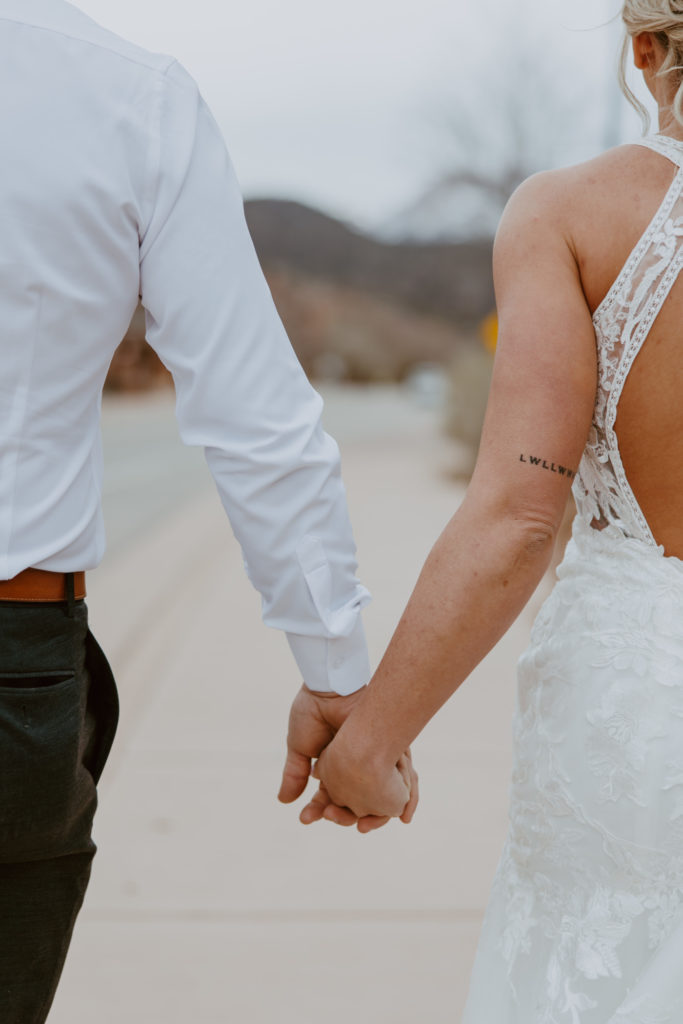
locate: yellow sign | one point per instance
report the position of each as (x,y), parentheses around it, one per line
(488,331)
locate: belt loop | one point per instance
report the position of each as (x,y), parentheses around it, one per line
(70,594)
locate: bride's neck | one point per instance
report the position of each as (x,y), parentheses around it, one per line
(668,124)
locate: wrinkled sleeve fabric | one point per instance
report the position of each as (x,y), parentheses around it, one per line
(243,397)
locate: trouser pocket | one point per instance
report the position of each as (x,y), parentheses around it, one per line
(47,796)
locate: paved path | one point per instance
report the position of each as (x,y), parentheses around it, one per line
(209,902)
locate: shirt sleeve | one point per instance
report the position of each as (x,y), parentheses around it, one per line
(242,395)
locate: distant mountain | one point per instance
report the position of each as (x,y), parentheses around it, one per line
(452,281)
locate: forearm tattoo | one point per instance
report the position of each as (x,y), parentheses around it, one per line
(552,467)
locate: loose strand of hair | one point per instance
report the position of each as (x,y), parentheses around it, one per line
(672,66)
(628,92)
(678,105)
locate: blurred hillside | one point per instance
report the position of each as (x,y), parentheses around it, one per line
(355,308)
(452,281)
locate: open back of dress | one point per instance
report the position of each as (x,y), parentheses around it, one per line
(585,920)
(623,322)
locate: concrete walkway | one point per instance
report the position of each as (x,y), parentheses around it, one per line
(209,901)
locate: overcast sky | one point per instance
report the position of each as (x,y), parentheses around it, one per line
(345,104)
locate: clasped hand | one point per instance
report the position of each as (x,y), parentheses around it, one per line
(357,786)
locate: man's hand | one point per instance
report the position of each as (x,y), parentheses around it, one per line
(314,720)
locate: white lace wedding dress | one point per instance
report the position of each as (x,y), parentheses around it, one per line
(585,920)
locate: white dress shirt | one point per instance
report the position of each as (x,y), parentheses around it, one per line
(115,183)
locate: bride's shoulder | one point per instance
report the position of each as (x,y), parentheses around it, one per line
(562,199)
(563,184)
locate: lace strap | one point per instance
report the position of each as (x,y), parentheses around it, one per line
(672,149)
(626,274)
(631,350)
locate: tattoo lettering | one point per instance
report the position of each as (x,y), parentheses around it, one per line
(552,468)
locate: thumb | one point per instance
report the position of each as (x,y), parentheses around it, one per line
(294,776)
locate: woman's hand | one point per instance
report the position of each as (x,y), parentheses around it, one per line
(362,790)
(313,722)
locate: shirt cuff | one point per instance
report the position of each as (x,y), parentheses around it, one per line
(341,665)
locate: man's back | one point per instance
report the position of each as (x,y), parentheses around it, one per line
(116,184)
(78,116)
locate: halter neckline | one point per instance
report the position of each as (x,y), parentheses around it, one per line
(664,138)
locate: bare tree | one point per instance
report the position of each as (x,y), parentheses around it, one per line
(523,109)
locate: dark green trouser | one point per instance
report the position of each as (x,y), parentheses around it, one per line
(58,716)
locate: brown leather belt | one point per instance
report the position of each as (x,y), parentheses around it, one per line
(40,585)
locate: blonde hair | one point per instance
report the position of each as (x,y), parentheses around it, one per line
(664,18)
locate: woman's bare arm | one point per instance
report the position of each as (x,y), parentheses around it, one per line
(493,553)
